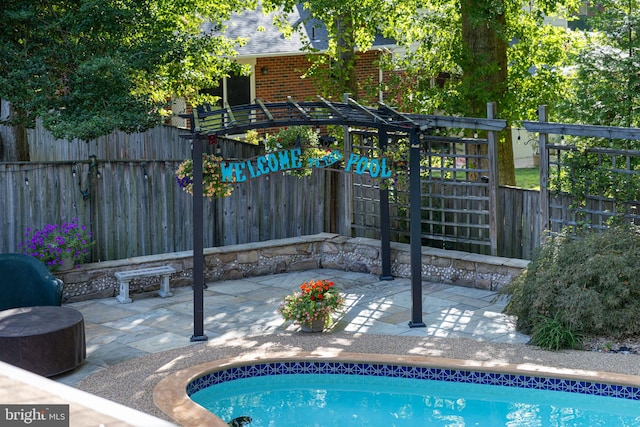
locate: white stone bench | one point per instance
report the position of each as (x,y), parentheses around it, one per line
(124,277)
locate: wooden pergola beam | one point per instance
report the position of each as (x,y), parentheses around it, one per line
(298,108)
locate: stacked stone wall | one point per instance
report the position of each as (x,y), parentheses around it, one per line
(322,250)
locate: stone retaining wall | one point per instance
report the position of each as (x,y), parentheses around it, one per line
(322,250)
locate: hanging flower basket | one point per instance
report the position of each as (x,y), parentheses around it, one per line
(303,137)
(212,185)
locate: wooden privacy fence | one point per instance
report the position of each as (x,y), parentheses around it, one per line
(159,143)
(131,215)
(519,222)
(136,208)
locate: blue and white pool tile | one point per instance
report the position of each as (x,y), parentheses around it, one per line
(439,374)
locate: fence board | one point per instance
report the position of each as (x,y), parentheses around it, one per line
(521,222)
(162,142)
(132,216)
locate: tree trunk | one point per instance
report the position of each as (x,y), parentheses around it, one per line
(14,144)
(484,69)
(346,66)
(506,167)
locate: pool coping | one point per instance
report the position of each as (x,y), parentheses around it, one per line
(170,394)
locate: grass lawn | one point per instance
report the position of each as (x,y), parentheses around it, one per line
(528,178)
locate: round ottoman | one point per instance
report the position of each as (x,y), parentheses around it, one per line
(46,340)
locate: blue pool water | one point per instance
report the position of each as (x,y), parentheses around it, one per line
(277,397)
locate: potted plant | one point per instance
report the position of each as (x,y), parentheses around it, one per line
(212,185)
(303,137)
(59,246)
(312,305)
(536,153)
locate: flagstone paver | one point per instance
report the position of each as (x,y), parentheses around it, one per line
(247,307)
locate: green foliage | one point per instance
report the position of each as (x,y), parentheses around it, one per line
(88,67)
(589,285)
(351,25)
(535,54)
(252,137)
(290,137)
(454,56)
(551,334)
(605,84)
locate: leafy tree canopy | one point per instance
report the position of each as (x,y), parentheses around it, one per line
(458,54)
(456,68)
(87,67)
(605,81)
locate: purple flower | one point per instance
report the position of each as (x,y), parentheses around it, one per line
(54,241)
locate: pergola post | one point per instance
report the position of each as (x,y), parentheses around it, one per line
(415,213)
(385,233)
(198,241)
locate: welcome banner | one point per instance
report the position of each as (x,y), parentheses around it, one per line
(282,161)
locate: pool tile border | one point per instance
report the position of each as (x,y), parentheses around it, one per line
(413,372)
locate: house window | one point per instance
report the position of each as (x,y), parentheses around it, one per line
(235,90)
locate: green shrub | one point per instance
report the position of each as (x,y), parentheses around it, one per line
(590,284)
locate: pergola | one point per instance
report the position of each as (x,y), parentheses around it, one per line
(206,122)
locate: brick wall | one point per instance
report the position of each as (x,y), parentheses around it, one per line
(284,77)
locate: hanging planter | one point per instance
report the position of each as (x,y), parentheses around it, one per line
(212,185)
(303,137)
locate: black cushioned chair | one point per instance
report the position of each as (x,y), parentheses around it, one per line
(26,282)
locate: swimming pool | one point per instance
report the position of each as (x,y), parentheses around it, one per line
(443,391)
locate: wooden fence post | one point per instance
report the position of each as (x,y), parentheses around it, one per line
(345,208)
(544,176)
(94,195)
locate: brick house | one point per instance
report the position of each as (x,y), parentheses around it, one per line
(278,63)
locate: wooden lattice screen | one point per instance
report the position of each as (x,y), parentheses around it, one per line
(611,190)
(455,195)
(615,194)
